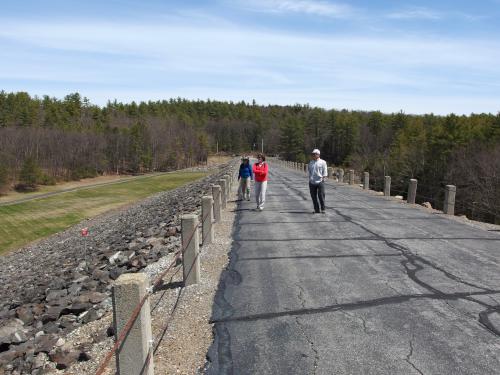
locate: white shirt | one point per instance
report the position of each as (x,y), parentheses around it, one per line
(317,171)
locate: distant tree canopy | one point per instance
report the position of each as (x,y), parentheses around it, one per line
(71,139)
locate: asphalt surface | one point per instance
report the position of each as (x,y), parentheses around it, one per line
(375,286)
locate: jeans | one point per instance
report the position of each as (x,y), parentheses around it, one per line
(244,188)
(318,192)
(260,193)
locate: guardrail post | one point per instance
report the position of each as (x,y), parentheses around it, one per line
(228,185)
(217,209)
(341,175)
(449,199)
(223,198)
(412,191)
(190,244)
(366,181)
(128,291)
(207,213)
(351,176)
(387,186)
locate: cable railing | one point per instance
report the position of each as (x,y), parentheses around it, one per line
(189,244)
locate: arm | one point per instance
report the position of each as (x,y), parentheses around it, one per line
(251,172)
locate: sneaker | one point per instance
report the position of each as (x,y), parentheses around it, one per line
(323,211)
(315,212)
(261,208)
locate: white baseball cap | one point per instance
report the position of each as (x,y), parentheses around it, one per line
(315,151)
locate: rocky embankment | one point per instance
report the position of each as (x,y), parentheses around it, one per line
(60,283)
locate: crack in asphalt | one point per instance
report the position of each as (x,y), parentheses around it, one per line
(413,260)
(410,354)
(303,331)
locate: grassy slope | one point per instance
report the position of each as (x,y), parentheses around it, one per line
(24,222)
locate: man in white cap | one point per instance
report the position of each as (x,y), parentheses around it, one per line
(318,172)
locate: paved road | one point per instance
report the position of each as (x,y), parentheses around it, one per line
(372,287)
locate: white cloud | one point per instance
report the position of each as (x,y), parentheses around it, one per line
(416,13)
(312,7)
(174,58)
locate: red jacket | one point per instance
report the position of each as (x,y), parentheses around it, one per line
(260,171)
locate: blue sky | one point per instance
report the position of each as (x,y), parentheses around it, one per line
(415,56)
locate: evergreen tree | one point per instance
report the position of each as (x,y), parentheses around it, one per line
(30,172)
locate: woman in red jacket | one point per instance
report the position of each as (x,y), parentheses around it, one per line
(260,170)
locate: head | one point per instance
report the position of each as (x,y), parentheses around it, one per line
(315,154)
(261,158)
(246,159)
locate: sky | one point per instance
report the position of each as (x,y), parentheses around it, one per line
(411,56)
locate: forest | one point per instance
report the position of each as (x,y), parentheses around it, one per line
(45,140)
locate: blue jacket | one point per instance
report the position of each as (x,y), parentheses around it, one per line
(245,171)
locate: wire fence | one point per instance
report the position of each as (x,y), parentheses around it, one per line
(178,258)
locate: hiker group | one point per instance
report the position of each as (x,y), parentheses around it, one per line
(258,172)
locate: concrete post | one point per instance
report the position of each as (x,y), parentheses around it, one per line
(190,244)
(217,202)
(366,181)
(223,198)
(351,176)
(449,199)
(228,185)
(387,186)
(207,214)
(341,175)
(330,173)
(128,291)
(412,191)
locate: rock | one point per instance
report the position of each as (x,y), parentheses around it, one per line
(114,258)
(55,295)
(74,289)
(38,309)
(18,337)
(12,332)
(45,343)
(101,275)
(40,360)
(50,327)
(25,314)
(427,205)
(60,342)
(67,321)
(52,314)
(63,358)
(116,272)
(88,316)
(78,308)
(138,262)
(171,231)
(9,356)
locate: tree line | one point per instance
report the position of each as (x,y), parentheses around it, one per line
(51,139)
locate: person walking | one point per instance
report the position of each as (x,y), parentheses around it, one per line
(318,172)
(260,171)
(244,176)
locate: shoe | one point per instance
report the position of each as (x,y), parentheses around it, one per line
(315,212)
(261,208)
(323,211)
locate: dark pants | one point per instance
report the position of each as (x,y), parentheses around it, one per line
(318,192)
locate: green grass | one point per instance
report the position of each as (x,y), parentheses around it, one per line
(22,223)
